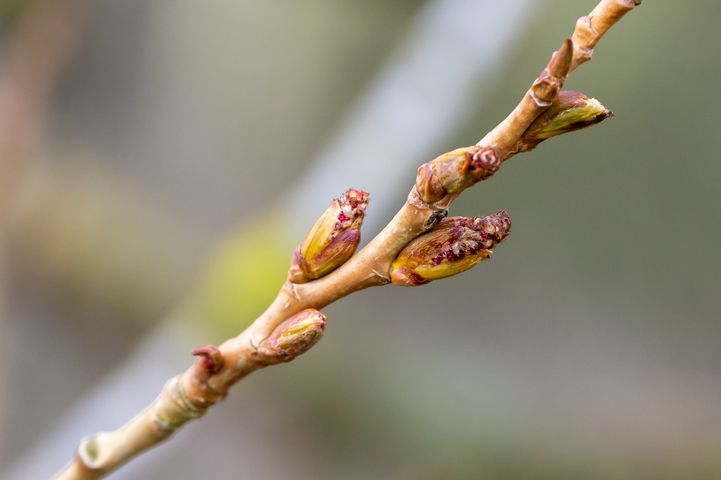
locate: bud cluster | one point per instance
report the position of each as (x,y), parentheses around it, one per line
(332,240)
(453,246)
(453,172)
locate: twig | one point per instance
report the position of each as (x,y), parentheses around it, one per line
(417,246)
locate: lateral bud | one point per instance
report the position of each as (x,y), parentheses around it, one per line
(332,240)
(210,358)
(453,172)
(551,79)
(292,337)
(453,246)
(570,111)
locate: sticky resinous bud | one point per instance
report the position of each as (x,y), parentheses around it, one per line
(453,246)
(453,172)
(570,111)
(292,337)
(332,240)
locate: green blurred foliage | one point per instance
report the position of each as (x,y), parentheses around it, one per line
(9,11)
(243,275)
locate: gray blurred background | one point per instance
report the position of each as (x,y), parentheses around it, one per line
(159,161)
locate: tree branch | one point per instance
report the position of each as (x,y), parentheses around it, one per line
(414,248)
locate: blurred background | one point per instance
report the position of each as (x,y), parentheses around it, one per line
(159,161)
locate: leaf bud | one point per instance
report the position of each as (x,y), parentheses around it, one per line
(453,246)
(453,172)
(332,240)
(292,337)
(570,111)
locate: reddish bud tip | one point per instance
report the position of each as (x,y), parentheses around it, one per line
(211,360)
(501,223)
(486,159)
